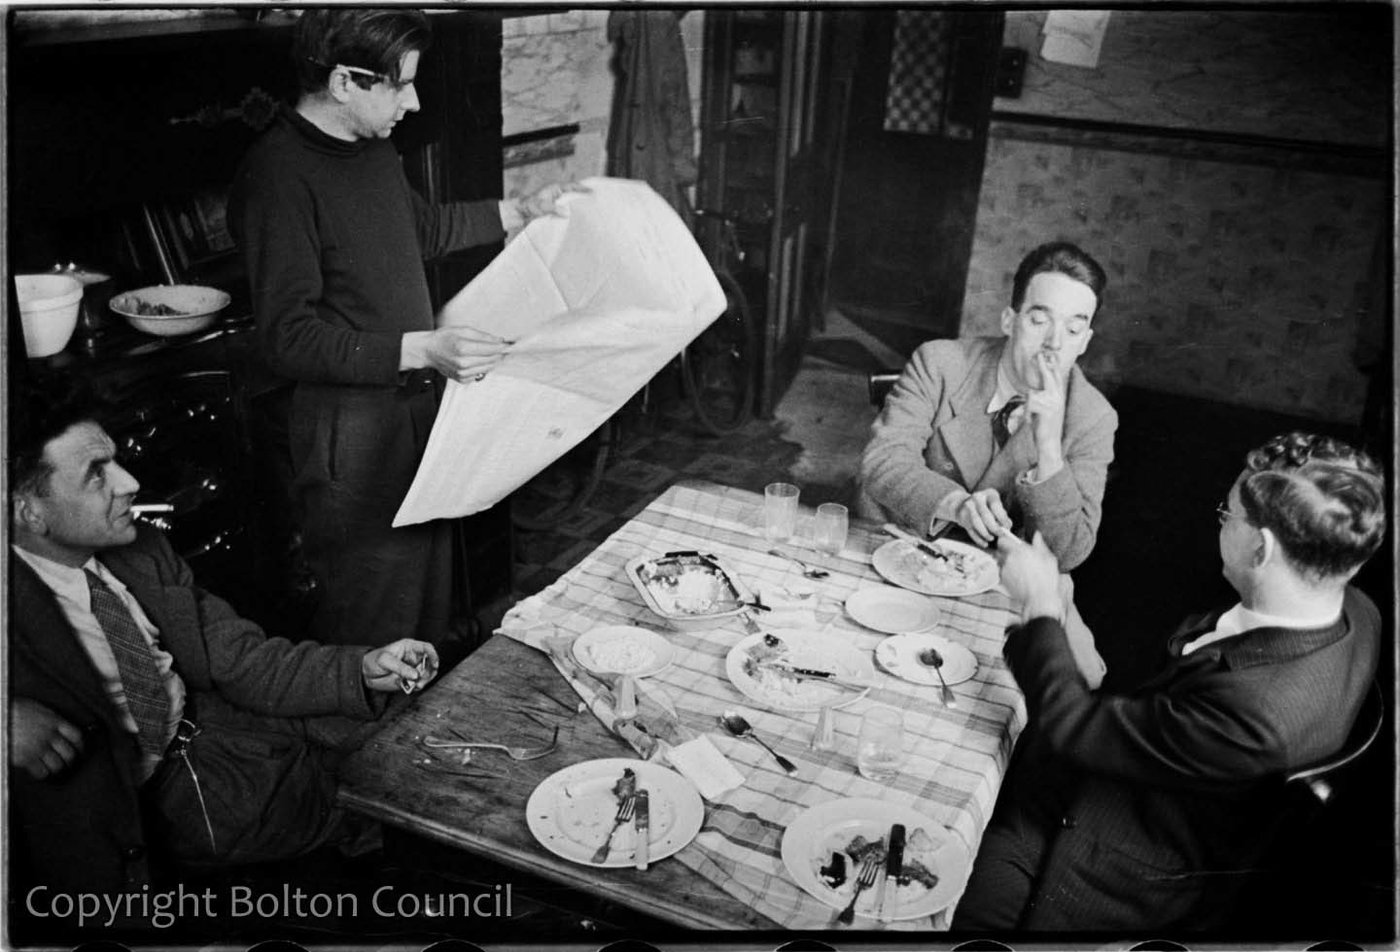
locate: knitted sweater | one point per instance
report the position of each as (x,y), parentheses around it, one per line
(334,238)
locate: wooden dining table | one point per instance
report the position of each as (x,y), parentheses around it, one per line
(731,876)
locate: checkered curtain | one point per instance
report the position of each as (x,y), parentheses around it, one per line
(918,72)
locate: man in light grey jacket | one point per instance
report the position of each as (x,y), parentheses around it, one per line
(997,434)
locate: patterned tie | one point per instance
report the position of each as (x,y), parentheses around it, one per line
(146,696)
(1001,430)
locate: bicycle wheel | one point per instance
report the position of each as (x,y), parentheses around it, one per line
(564,486)
(720,366)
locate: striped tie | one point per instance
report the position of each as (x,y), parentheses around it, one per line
(146,696)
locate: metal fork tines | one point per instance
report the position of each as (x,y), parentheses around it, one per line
(864,880)
(514,753)
(624,813)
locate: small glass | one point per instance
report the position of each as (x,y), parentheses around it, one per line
(830,528)
(880,754)
(779,511)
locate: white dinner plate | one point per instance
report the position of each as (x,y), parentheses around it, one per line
(966,570)
(900,657)
(830,827)
(892,610)
(623,649)
(770,688)
(572,810)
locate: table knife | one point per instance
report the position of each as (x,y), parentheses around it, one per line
(894,868)
(814,674)
(915,541)
(642,817)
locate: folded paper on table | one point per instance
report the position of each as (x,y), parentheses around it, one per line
(597,301)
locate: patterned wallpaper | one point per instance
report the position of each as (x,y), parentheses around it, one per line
(1229,281)
(1236,271)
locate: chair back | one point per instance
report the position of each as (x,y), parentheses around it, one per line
(1317,779)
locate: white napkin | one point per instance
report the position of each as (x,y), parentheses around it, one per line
(701,762)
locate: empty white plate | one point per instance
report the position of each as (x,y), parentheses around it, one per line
(892,610)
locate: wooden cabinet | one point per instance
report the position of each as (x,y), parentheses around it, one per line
(768,123)
(116,130)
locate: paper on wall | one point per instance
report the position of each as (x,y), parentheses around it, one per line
(1074,36)
(597,300)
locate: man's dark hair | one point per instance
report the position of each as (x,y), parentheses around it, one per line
(39,414)
(1323,499)
(1059,257)
(367,38)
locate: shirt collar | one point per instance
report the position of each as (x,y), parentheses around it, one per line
(1004,392)
(65,579)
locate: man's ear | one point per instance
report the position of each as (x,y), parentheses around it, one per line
(1267,550)
(1008,320)
(26,515)
(338,85)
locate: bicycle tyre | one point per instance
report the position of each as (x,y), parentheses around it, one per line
(720,366)
(564,487)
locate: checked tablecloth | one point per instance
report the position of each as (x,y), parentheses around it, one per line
(957,755)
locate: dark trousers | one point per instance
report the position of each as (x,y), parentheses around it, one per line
(354,453)
(255,788)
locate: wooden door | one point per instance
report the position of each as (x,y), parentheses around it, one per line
(911,168)
(802,200)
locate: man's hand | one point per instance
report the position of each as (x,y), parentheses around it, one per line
(1031,574)
(407,665)
(458,353)
(545,201)
(983,516)
(1046,407)
(41,743)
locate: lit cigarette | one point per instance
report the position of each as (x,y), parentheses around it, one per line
(149,508)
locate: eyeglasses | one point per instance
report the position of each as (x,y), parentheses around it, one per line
(1223,513)
(369,74)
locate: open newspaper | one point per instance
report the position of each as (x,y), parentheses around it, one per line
(597,301)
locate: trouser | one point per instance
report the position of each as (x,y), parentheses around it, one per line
(354,452)
(250,788)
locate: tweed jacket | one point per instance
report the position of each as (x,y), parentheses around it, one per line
(934,437)
(84,830)
(1166,792)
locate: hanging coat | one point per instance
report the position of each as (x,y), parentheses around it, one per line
(651,135)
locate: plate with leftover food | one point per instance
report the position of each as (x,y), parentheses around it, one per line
(824,847)
(958,568)
(891,610)
(900,657)
(690,590)
(168,310)
(572,812)
(623,649)
(799,671)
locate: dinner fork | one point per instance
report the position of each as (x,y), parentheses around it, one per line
(624,813)
(514,753)
(864,880)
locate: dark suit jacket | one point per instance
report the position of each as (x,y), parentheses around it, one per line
(1165,792)
(83,830)
(934,437)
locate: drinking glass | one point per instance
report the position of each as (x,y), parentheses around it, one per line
(779,511)
(880,753)
(829,529)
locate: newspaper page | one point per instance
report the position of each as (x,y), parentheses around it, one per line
(597,300)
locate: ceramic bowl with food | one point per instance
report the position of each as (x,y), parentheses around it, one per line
(169,310)
(688,590)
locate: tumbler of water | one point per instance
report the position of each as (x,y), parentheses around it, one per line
(779,511)
(880,753)
(830,527)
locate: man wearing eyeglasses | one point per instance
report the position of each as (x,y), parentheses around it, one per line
(334,239)
(1131,813)
(995,433)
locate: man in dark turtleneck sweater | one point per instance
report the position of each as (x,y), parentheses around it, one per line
(334,238)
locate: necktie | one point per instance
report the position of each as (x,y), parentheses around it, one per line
(146,696)
(1001,430)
